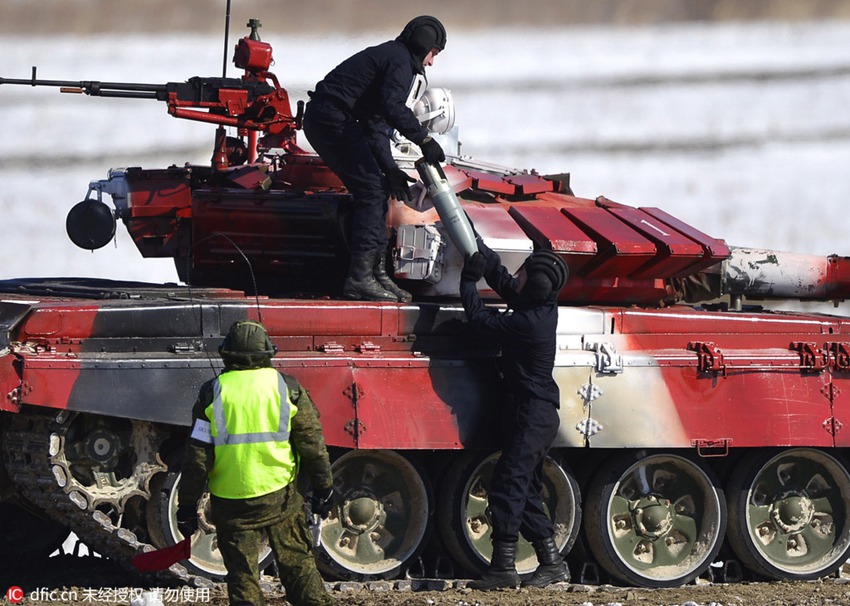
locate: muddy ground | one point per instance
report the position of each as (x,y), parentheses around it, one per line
(74,581)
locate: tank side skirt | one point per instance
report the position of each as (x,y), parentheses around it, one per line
(674,405)
(662,394)
(372,402)
(394,394)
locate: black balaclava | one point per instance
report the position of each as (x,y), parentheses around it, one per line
(422,34)
(537,289)
(546,274)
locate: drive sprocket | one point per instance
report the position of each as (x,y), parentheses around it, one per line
(90,473)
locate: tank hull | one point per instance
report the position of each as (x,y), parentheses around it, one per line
(419,361)
(681,392)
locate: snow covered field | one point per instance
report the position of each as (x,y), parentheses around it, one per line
(742,130)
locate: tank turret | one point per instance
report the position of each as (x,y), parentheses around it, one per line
(286,220)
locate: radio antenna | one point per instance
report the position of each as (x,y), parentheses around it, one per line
(226,41)
(200,314)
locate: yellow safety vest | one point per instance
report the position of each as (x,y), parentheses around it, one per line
(250,420)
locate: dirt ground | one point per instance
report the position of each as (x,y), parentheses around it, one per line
(73,581)
(751,594)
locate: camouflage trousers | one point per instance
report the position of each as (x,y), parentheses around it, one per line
(289,539)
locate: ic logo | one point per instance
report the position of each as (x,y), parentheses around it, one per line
(14,594)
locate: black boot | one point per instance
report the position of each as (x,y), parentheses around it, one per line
(380,273)
(552,568)
(502,570)
(360,283)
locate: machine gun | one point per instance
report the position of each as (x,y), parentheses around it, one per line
(249,103)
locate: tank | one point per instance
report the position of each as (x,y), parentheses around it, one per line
(700,432)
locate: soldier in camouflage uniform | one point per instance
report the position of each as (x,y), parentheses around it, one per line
(253,427)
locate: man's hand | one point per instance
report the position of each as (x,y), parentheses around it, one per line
(493,259)
(473,268)
(322,501)
(187,520)
(397,184)
(431,151)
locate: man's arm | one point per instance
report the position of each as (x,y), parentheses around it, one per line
(485,321)
(398,79)
(307,439)
(199,453)
(497,277)
(378,139)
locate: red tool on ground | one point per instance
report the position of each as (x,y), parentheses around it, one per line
(161,559)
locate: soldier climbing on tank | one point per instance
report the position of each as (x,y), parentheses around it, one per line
(526,333)
(253,428)
(348,121)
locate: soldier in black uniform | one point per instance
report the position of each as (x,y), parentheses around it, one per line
(348,122)
(527,333)
(253,427)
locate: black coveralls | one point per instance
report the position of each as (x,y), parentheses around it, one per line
(348,122)
(527,336)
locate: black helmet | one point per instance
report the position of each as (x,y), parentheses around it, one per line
(422,34)
(546,275)
(247,345)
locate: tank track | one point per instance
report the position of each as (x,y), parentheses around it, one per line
(29,454)
(29,461)
(32,453)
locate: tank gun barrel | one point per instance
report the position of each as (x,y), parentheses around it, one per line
(769,274)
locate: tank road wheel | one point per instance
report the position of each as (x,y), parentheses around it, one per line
(464,520)
(162,526)
(380,519)
(789,513)
(656,521)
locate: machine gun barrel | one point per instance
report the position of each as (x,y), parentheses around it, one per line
(95,88)
(249,103)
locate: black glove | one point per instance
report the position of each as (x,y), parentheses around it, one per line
(322,501)
(431,151)
(187,520)
(493,259)
(473,268)
(397,181)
